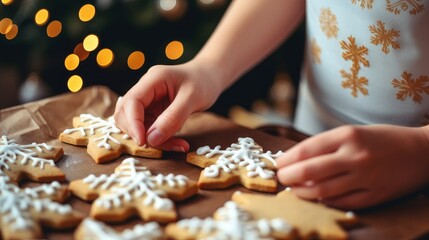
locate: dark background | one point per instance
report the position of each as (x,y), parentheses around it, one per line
(123,26)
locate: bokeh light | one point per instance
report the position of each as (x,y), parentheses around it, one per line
(41,17)
(11,34)
(75,83)
(167,5)
(207,1)
(54,29)
(174,50)
(7,2)
(105,57)
(71,62)
(5,25)
(86,12)
(172,10)
(81,52)
(136,60)
(210,4)
(90,43)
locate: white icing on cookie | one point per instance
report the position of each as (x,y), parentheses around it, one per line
(244,154)
(100,230)
(350,214)
(130,181)
(235,223)
(97,124)
(16,204)
(126,137)
(10,150)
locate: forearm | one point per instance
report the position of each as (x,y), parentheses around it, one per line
(247,33)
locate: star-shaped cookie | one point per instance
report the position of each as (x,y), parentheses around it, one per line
(92,229)
(24,211)
(312,220)
(104,141)
(32,161)
(230,222)
(132,189)
(244,162)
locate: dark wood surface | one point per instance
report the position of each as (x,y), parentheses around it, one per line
(42,121)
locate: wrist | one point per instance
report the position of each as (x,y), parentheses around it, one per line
(215,70)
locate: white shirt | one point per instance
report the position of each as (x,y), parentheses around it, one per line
(366,62)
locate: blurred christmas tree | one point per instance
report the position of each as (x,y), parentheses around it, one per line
(45,38)
(67,45)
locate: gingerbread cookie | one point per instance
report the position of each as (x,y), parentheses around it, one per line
(230,222)
(312,220)
(33,161)
(133,189)
(91,229)
(244,162)
(103,139)
(23,211)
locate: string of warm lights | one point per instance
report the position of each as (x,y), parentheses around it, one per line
(171,9)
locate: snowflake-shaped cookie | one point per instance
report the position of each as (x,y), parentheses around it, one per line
(22,211)
(33,161)
(133,189)
(103,139)
(92,229)
(311,220)
(244,162)
(230,222)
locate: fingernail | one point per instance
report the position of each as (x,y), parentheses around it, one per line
(134,138)
(155,137)
(138,141)
(178,149)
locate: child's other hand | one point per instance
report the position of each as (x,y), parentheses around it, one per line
(353,167)
(156,107)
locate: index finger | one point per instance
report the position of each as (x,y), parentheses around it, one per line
(132,109)
(321,144)
(134,114)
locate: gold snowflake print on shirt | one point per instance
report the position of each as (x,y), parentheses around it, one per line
(354,53)
(382,36)
(315,51)
(353,81)
(328,23)
(357,55)
(363,3)
(398,6)
(409,87)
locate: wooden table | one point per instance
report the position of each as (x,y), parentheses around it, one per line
(44,120)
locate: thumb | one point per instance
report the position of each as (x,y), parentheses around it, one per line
(171,120)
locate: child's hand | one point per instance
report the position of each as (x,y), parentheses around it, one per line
(158,105)
(358,166)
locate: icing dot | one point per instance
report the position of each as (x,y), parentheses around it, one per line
(203,150)
(350,214)
(280,225)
